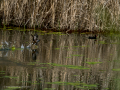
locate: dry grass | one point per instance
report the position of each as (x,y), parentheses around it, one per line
(62,14)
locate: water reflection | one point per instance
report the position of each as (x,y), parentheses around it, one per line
(63,62)
(34,54)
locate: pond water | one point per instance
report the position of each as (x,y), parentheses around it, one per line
(60,62)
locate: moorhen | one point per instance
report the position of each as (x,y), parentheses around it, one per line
(92,37)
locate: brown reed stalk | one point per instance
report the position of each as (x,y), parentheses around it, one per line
(59,14)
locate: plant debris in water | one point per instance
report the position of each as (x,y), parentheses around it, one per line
(93,62)
(116,69)
(10,77)
(76,84)
(68,66)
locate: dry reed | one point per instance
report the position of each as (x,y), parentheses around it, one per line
(61,14)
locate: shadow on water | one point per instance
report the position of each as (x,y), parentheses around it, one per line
(59,61)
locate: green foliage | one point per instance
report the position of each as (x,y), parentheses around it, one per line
(10,77)
(116,69)
(13,47)
(93,62)
(76,84)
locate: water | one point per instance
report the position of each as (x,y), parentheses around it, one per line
(61,62)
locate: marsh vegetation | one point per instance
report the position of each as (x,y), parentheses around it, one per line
(60,61)
(61,14)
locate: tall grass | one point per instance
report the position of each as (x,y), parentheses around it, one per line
(62,14)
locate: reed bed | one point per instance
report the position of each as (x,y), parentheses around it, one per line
(62,14)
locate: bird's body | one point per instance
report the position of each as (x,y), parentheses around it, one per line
(92,37)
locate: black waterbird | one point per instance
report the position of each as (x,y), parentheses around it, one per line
(92,37)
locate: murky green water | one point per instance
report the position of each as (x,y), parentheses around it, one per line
(61,62)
